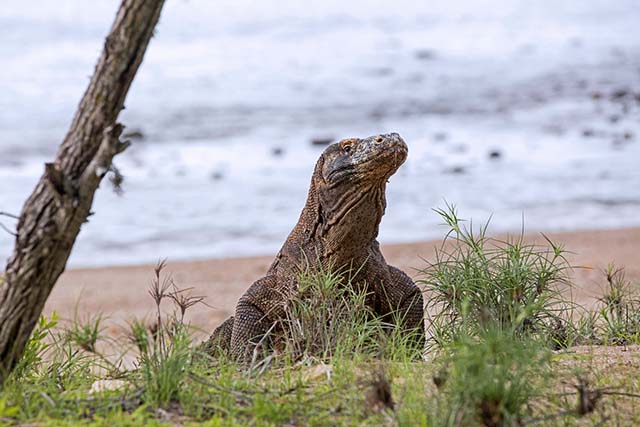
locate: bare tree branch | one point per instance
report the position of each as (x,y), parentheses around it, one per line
(8,230)
(9,215)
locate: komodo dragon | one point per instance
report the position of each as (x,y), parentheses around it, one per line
(338,226)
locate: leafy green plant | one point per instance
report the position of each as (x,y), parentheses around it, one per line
(619,313)
(330,316)
(478,283)
(140,336)
(7,412)
(37,346)
(327,315)
(85,333)
(163,370)
(491,378)
(164,348)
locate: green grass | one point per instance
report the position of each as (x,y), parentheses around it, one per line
(329,318)
(85,332)
(619,309)
(496,315)
(477,283)
(494,377)
(325,320)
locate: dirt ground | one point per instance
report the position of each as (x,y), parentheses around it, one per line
(120,293)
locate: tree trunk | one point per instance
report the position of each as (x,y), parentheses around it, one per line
(61,201)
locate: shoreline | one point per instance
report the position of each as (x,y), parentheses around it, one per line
(120,293)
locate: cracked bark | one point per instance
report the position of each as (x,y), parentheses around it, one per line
(52,216)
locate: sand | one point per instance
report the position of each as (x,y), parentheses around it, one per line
(120,293)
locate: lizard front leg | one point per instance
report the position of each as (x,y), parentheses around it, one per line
(220,339)
(256,312)
(409,308)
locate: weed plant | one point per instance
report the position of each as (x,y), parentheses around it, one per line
(619,309)
(477,283)
(492,378)
(330,317)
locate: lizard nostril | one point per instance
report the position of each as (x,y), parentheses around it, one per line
(379,139)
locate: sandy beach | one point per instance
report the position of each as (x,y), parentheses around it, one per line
(120,293)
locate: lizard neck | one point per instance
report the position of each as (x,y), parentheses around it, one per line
(338,230)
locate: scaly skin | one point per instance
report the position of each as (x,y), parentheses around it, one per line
(338,227)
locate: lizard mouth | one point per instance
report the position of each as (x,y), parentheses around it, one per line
(371,160)
(400,153)
(381,156)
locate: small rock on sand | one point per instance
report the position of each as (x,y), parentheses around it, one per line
(495,154)
(216,175)
(456,170)
(619,93)
(459,148)
(424,54)
(440,136)
(320,372)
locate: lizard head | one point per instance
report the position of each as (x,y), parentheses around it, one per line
(347,193)
(366,161)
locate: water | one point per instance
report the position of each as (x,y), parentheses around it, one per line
(551,88)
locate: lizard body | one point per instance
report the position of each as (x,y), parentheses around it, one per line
(337,227)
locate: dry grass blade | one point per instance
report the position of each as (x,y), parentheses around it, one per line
(159,291)
(183,300)
(160,285)
(4,227)
(8,230)
(258,350)
(10,215)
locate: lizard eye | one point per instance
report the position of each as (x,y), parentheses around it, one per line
(347,149)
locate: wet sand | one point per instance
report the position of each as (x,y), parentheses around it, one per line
(121,293)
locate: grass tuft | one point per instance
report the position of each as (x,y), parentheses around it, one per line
(477,283)
(491,379)
(620,309)
(165,351)
(85,333)
(327,317)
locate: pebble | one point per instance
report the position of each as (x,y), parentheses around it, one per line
(619,93)
(425,54)
(440,136)
(495,154)
(456,170)
(596,95)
